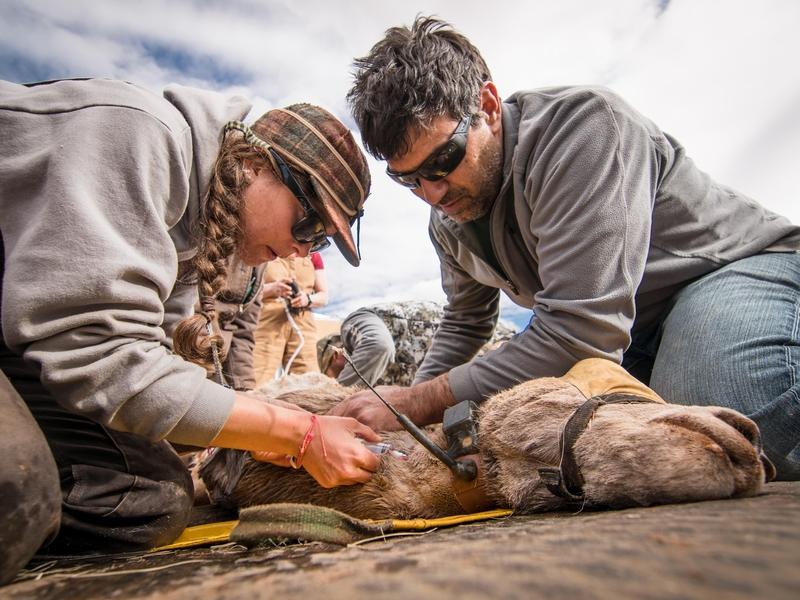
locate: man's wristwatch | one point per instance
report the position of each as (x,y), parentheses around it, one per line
(308,297)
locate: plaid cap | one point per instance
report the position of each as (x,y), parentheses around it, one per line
(315,142)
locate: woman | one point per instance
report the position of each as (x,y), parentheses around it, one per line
(286,336)
(106,191)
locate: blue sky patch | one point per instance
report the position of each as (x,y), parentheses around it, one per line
(19,68)
(192,65)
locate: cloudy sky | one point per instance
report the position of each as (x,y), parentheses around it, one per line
(722,77)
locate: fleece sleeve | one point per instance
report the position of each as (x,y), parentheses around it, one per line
(468,320)
(588,192)
(88,198)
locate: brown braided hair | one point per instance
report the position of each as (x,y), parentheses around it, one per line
(217,236)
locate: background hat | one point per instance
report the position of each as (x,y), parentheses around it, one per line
(325,350)
(319,145)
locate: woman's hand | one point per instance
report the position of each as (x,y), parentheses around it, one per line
(348,461)
(273,434)
(336,455)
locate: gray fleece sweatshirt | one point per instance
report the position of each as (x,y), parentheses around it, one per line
(100,185)
(600,219)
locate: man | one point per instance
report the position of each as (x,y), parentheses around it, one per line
(387,342)
(572,203)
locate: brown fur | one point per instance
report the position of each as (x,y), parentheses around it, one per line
(629,455)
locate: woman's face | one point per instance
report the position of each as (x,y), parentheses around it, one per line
(269,210)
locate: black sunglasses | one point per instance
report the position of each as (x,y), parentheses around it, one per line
(310,228)
(441,161)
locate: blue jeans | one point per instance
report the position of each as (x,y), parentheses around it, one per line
(732,338)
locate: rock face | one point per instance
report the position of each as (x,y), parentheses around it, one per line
(629,454)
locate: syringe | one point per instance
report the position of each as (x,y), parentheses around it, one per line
(382,448)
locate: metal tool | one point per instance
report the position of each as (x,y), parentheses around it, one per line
(466,470)
(385,448)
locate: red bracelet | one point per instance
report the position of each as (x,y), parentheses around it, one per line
(307,439)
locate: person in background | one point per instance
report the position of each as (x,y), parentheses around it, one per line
(388,342)
(286,336)
(574,204)
(107,193)
(238,307)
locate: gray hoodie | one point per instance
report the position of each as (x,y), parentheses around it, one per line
(600,219)
(100,185)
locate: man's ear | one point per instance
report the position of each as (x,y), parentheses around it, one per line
(491,104)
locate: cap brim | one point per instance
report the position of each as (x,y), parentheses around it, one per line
(325,351)
(331,213)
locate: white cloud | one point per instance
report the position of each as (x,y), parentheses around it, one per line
(723,79)
(719,76)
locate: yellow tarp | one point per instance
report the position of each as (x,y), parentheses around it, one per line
(218,533)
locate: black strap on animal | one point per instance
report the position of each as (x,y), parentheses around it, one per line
(566,480)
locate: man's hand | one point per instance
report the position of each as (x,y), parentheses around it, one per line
(367,408)
(423,404)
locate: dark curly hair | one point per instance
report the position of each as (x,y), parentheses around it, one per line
(411,77)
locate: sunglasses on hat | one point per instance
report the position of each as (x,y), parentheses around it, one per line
(441,161)
(309,229)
